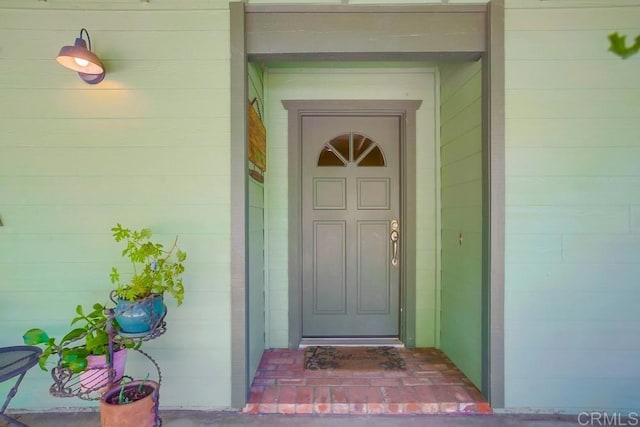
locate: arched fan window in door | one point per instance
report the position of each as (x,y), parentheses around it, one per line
(351,148)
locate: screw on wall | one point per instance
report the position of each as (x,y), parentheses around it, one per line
(460,239)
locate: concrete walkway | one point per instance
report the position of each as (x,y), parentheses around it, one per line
(205,418)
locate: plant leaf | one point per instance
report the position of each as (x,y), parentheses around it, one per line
(78,365)
(70,354)
(115,276)
(75,333)
(43,358)
(97,344)
(619,45)
(35,336)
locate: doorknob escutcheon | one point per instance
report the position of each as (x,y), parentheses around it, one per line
(394,237)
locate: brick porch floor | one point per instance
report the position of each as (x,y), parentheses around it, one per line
(430,384)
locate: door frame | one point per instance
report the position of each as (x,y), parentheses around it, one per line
(402,33)
(405,110)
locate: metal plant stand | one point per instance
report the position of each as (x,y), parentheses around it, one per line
(15,362)
(69,384)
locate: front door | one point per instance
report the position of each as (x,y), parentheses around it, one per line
(350,229)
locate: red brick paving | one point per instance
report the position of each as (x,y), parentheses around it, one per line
(430,384)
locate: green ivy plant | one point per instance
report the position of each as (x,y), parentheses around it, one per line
(619,46)
(155,270)
(89,337)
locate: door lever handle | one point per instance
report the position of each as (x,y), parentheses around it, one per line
(395,236)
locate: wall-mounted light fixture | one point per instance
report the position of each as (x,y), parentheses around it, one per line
(79,58)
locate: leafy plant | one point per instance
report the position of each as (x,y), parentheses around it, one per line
(619,46)
(91,327)
(124,398)
(129,392)
(155,270)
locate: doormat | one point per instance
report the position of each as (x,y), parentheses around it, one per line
(353,358)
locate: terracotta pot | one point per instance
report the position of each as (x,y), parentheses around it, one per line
(140,413)
(96,376)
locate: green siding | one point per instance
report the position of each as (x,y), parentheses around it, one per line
(149,146)
(361,81)
(158,155)
(256,87)
(256,310)
(461,194)
(572,185)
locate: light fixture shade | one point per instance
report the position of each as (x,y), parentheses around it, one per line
(79,58)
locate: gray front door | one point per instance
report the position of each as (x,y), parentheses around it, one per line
(350,230)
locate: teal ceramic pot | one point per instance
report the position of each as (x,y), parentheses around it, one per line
(139,317)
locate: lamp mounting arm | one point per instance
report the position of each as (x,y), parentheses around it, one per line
(84,30)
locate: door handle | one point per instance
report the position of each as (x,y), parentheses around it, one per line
(395,236)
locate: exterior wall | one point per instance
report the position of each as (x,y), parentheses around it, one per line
(461,198)
(348,83)
(158,156)
(256,310)
(572,207)
(149,146)
(256,275)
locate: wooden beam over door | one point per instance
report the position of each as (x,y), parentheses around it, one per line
(424,33)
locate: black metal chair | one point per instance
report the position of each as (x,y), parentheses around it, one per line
(15,362)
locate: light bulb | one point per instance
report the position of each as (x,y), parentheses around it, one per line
(81,62)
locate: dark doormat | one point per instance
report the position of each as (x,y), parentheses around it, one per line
(353,358)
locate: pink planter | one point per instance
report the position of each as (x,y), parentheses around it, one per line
(96,376)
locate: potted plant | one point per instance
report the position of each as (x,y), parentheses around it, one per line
(133,404)
(140,297)
(84,350)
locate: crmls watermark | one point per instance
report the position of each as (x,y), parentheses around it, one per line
(608,419)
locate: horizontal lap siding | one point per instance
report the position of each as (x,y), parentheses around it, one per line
(149,146)
(572,203)
(461,181)
(363,81)
(256,289)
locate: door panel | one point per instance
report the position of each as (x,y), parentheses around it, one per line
(373,267)
(350,195)
(373,193)
(330,267)
(329,193)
